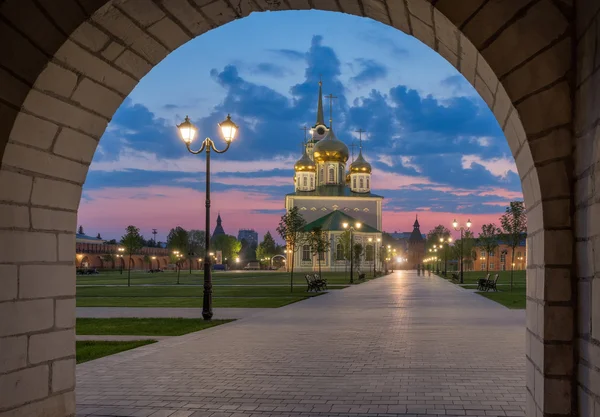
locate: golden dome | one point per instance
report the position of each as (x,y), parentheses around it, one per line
(360,165)
(305,164)
(330,149)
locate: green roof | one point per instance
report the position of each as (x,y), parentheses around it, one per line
(333,191)
(333,222)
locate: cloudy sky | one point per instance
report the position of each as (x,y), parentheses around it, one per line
(436,148)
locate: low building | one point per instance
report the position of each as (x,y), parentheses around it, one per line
(500,259)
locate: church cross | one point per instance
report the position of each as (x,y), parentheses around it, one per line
(360,132)
(353,145)
(331,97)
(305,134)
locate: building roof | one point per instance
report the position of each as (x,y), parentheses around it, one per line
(333,191)
(330,148)
(82,236)
(360,165)
(334,222)
(219,229)
(416,235)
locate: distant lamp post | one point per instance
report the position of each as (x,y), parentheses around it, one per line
(352,228)
(188,133)
(462,242)
(373,255)
(120,255)
(445,243)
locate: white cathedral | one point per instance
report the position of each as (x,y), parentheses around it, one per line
(329,196)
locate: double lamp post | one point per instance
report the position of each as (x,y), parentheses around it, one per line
(462,242)
(352,228)
(188,132)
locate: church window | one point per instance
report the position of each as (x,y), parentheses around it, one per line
(502,257)
(321,176)
(339,252)
(304,181)
(306,253)
(312,182)
(331,174)
(492,266)
(354,182)
(483,266)
(369,253)
(368,183)
(482,254)
(362,182)
(321,256)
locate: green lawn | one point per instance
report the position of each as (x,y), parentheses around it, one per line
(197,291)
(471,277)
(219,278)
(143,326)
(89,350)
(515,299)
(239,302)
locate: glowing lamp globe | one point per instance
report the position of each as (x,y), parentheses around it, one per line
(455,224)
(468,224)
(187,131)
(228,129)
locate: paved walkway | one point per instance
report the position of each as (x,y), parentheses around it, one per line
(145,312)
(119,338)
(399,345)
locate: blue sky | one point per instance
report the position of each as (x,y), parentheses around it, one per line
(436,148)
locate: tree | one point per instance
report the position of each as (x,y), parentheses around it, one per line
(488,240)
(319,243)
(196,243)
(132,243)
(80,230)
(468,243)
(178,241)
(109,257)
(514,228)
(112,242)
(228,245)
(290,229)
(357,252)
(147,261)
(437,233)
(267,248)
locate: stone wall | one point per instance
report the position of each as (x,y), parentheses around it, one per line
(587,205)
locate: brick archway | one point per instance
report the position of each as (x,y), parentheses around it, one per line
(66,65)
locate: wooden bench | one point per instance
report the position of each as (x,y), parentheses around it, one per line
(455,277)
(362,276)
(491,284)
(482,283)
(315,283)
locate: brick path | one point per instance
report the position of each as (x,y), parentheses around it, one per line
(399,345)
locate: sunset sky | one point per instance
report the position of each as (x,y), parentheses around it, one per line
(436,149)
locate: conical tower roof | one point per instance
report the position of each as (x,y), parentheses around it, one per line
(360,165)
(305,163)
(320,117)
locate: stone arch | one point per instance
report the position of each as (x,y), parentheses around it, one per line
(67,67)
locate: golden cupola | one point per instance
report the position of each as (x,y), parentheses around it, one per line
(330,149)
(360,165)
(305,164)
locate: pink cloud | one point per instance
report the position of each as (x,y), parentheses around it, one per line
(384,180)
(499,167)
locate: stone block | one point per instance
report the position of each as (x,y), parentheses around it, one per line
(8,282)
(21,246)
(586,404)
(376,10)
(423,32)
(123,28)
(557,398)
(299,4)
(57,80)
(50,346)
(555,181)
(556,144)
(595,309)
(398,15)
(423,10)
(91,37)
(219,12)
(531,322)
(169,33)
(486,94)
(112,51)
(14,353)
(558,323)
(448,55)
(558,246)
(187,15)
(63,375)
(584,307)
(540,72)
(502,106)
(43,162)
(33,131)
(57,405)
(467,59)
(23,386)
(557,284)
(37,281)
(67,15)
(546,109)
(539,27)
(458,13)
(44,219)
(584,253)
(537,353)
(353,7)
(15,187)
(75,145)
(26,316)
(65,312)
(57,194)
(558,360)
(27,69)
(14,216)
(66,247)
(487,75)
(97,98)
(133,64)
(446,32)
(145,12)
(13,90)
(93,67)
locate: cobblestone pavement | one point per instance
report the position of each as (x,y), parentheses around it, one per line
(399,345)
(161,312)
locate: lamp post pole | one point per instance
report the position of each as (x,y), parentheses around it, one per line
(462,242)
(188,132)
(356,225)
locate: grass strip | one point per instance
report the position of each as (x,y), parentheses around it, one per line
(90,350)
(143,326)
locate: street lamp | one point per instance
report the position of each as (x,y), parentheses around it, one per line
(352,228)
(445,243)
(120,255)
(373,255)
(462,230)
